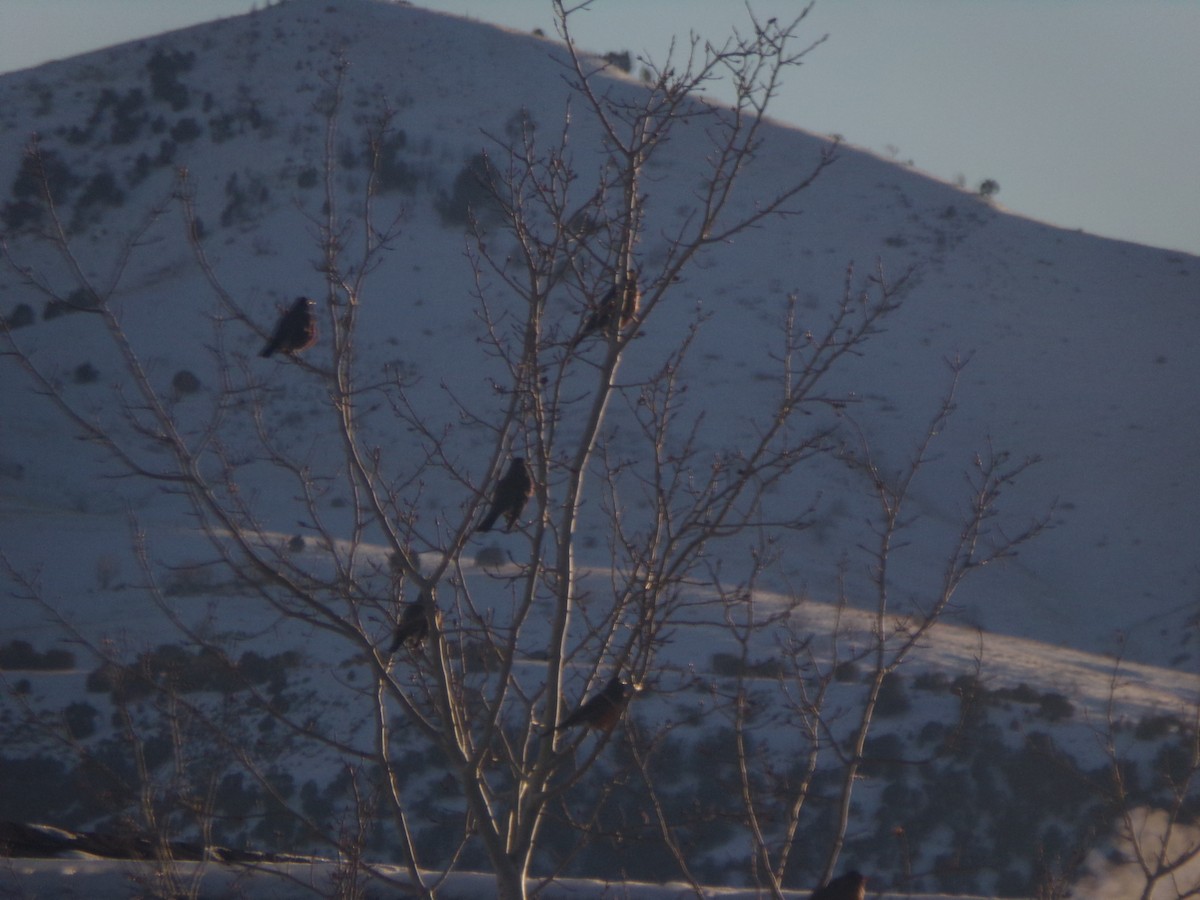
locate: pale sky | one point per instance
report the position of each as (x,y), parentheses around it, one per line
(1087,112)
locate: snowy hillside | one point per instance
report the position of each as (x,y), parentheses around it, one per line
(1082,352)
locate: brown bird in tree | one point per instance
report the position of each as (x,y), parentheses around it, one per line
(851,886)
(620,304)
(296,329)
(601,711)
(512,492)
(413,626)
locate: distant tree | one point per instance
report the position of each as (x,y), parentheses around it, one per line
(620,60)
(1155,844)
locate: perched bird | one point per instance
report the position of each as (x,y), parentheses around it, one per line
(413,626)
(620,304)
(296,329)
(512,492)
(851,886)
(603,710)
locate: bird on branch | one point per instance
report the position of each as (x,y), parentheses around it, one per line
(295,331)
(618,307)
(851,886)
(601,711)
(511,494)
(413,626)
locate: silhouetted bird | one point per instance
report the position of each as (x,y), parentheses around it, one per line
(296,329)
(512,492)
(413,626)
(603,710)
(620,304)
(851,886)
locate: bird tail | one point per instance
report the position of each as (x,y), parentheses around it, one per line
(488,521)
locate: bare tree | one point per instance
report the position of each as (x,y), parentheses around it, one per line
(1157,836)
(484,663)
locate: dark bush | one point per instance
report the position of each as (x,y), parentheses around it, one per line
(1153,728)
(142,167)
(106,679)
(165,67)
(937,682)
(41,170)
(56,308)
(243,200)
(932,732)
(80,719)
(270,670)
(621,60)
(234,797)
(186,130)
(19,213)
(226,125)
(847,672)
(128,113)
(185,382)
(472,195)
(86,373)
(893,699)
(77,136)
(21,316)
(208,669)
(34,790)
(166,153)
(731,665)
(79,300)
(1022,693)
(392,172)
(18,654)
(1055,707)
(883,757)
(101,190)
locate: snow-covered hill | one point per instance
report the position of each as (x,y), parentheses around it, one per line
(1081,351)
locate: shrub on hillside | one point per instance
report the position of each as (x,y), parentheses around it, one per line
(471,195)
(21,316)
(41,171)
(86,373)
(185,382)
(165,68)
(19,654)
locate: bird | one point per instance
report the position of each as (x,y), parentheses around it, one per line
(850,886)
(296,329)
(512,492)
(601,711)
(613,307)
(413,626)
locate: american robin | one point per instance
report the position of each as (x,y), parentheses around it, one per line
(620,304)
(851,886)
(413,626)
(512,492)
(296,329)
(601,711)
